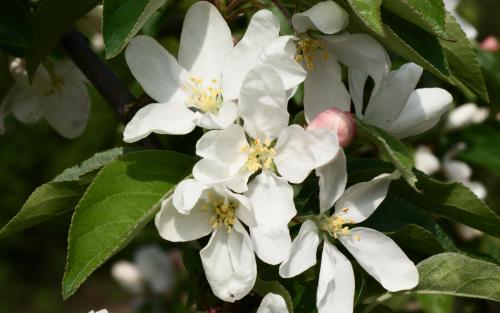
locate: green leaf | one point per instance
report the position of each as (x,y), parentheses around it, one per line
(483,146)
(409,226)
(125,196)
(459,275)
(451,200)
(436,303)
(47,201)
(6,80)
(52,19)
(123,19)
(392,148)
(262,288)
(369,12)
(426,14)
(59,195)
(15,24)
(462,60)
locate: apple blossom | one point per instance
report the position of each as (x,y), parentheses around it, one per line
(465,115)
(199,88)
(100,311)
(321,54)
(399,108)
(197,210)
(265,145)
(426,161)
(374,251)
(58,93)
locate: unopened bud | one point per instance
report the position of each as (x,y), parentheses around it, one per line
(490,44)
(340,122)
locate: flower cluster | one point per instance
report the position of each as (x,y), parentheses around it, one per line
(241,192)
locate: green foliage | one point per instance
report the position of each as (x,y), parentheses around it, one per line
(369,12)
(392,148)
(123,19)
(15,24)
(483,146)
(47,201)
(459,275)
(51,20)
(462,59)
(125,196)
(59,195)
(453,201)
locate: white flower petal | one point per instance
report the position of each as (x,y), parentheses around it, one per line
(381,258)
(279,54)
(465,115)
(422,112)
(271,243)
(357,81)
(426,161)
(155,69)
(455,170)
(323,144)
(387,104)
(25,105)
(272,303)
(262,103)
(302,252)
(263,27)
(206,41)
(67,110)
(220,120)
(332,181)
(361,52)
(229,263)
(186,195)
(326,17)
(174,226)
(336,282)
(478,188)
(294,160)
(169,118)
(362,199)
(211,172)
(323,87)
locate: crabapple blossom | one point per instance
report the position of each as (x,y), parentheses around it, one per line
(341,123)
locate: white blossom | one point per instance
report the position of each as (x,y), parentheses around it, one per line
(375,252)
(465,115)
(199,88)
(197,210)
(426,161)
(273,149)
(57,93)
(272,303)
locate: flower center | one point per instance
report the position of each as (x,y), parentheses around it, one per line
(223,212)
(335,225)
(306,51)
(260,155)
(206,99)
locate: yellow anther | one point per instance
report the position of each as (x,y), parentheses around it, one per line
(345,209)
(357,237)
(223,211)
(335,225)
(260,155)
(306,50)
(205,98)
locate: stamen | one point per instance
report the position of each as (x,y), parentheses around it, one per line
(223,211)
(335,225)
(260,155)
(306,50)
(206,99)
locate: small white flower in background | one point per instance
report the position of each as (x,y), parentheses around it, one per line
(398,107)
(375,252)
(58,93)
(469,30)
(90,25)
(267,146)
(152,268)
(196,210)
(321,54)
(272,303)
(199,88)
(465,115)
(454,170)
(100,311)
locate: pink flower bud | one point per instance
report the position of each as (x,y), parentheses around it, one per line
(340,122)
(490,44)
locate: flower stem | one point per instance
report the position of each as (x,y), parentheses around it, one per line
(282,8)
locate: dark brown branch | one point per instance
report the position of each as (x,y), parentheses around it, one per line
(104,80)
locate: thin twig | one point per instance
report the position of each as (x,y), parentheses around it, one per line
(282,8)
(104,80)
